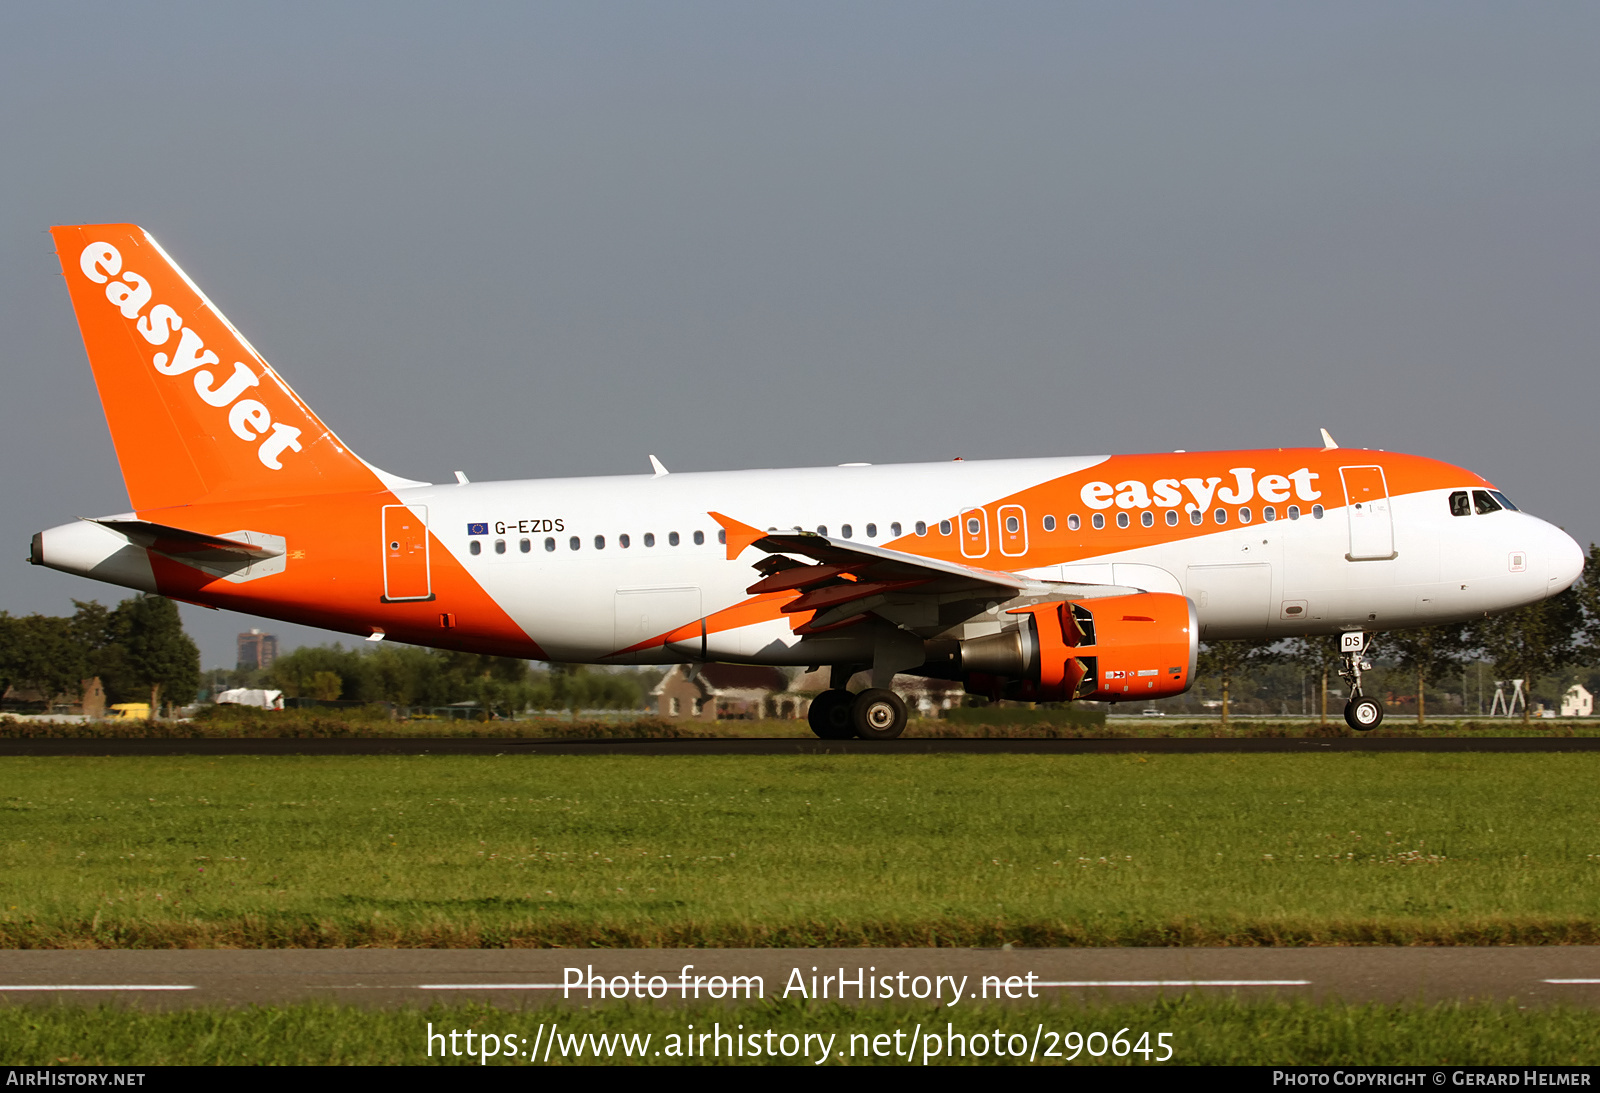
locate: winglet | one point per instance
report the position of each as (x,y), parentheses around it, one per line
(738,535)
(1328,443)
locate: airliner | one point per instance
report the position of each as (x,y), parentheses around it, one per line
(1042,580)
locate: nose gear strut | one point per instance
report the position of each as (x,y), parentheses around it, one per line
(1361,713)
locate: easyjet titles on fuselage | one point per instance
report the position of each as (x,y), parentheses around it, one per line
(1165,492)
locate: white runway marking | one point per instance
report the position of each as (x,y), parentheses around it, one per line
(1175,983)
(489,986)
(1578,981)
(1038,983)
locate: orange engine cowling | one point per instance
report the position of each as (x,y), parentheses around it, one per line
(1115,649)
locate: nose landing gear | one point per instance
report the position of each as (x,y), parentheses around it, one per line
(1362,713)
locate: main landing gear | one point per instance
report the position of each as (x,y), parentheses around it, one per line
(874,714)
(1362,713)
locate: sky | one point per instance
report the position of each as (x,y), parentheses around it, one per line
(540,240)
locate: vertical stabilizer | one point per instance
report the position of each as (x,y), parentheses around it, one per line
(194,411)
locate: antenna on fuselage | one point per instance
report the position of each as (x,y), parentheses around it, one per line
(1328,443)
(660,468)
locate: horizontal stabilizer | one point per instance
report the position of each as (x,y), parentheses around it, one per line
(184,546)
(237,556)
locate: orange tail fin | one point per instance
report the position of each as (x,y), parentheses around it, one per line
(194,411)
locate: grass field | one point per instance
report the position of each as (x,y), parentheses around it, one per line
(1200,1032)
(839,850)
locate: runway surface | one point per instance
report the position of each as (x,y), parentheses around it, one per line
(792,746)
(167,979)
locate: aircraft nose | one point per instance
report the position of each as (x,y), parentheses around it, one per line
(1566,561)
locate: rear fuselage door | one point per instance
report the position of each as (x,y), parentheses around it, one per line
(405,554)
(1367,509)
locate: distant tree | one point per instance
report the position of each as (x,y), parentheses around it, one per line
(1587,593)
(1317,654)
(1534,641)
(1427,652)
(326,686)
(1228,660)
(41,652)
(158,653)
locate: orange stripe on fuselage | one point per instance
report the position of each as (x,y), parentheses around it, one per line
(334,575)
(762,608)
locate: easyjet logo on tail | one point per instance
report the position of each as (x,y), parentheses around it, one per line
(248,418)
(1168,492)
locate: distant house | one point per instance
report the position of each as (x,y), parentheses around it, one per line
(713,692)
(90,701)
(1577,702)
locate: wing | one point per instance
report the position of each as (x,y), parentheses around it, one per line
(846,581)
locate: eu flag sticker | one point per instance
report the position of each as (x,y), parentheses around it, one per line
(477,529)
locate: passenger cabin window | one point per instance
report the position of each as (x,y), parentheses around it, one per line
(475,547)
(574,543)
(1220,516)
(499,546)
(1012,525)
(922,528)
(722,536)
(649,538)
(672,538)
(894,529)
(872,531)
(525,546)
(1244,516)
(846,531)
(1268,513)
(1172,518)
(1073,523)
(1049,523)
(1148,519)
(1316,512)
(944,527)
(549,544)
(1122,519)
(1195,516)
(699,538)
(973,526)
(599,542)
(822,529)
(1294,512)
(1484,503)
(624,542)
(1460,505)
(1099,520)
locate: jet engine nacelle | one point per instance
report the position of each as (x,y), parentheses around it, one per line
(1115,649)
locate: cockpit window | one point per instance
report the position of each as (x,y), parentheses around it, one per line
(1504,503)
(1460,505)
(1484,503)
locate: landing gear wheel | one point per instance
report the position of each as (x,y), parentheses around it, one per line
(1363,714)
(830,715)
(879,715)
